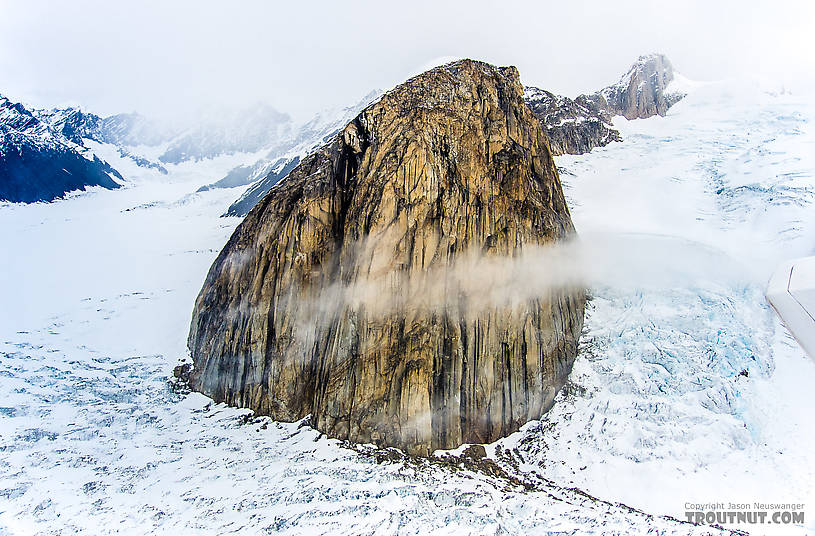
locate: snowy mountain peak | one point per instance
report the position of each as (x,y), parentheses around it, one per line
(15,117)
(574,126)
(38,162)
(653,60)
(648,66)
(641,92)
(72,123)
(306,138)
(228,131)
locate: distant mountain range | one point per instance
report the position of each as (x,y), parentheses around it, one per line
(248,130)
(44,153)
(270,170)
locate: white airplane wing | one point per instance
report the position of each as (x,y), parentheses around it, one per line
(791,292)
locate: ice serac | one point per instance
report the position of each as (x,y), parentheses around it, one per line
(332,298)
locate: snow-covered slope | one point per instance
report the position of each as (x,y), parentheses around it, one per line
(39,162)
(692,390)
(96,303)
(261,140)
(127,132)
(218,132)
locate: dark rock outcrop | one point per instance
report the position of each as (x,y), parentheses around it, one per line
(331,297)
(573,126)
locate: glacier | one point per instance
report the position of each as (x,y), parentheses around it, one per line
(685,389)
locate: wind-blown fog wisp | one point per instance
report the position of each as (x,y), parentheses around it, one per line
(478,281)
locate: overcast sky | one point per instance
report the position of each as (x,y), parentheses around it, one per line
(302,56)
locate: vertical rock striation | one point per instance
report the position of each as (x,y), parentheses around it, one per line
(332,298)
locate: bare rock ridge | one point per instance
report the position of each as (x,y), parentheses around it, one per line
(642,92)
(340,294)
(576,126)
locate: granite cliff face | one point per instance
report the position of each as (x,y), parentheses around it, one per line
(353,290)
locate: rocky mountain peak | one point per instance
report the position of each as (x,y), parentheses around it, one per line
(576,126)
(642,91)
(73,123)
(345,292)
(14,117)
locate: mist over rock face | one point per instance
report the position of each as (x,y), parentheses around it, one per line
(354,291)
